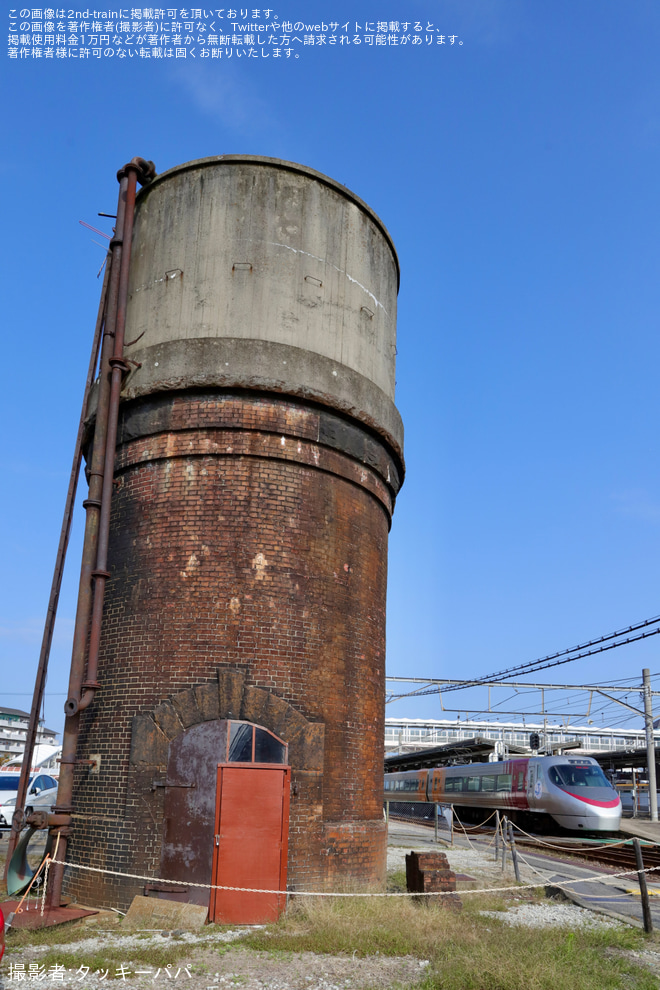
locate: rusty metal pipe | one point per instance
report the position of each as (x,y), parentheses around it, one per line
(85,590)
(145,171)
(130,175)
(51,614)
(93,502)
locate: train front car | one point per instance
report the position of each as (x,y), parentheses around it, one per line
(575,792)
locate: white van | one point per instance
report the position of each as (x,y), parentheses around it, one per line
(41,795)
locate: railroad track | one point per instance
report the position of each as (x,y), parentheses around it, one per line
(621,857)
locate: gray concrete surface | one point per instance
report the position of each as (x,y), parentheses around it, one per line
(594,886)
(255,272)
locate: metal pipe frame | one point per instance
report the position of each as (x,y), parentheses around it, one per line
(93,572)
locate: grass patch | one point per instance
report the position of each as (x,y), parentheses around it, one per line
(105,958)
(466,951)
(396,882)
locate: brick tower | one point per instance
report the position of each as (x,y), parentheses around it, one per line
(259,456)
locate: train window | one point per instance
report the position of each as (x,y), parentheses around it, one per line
(454,784)
(572,776)
(504,781)
(473,783)
(521,780)
(489,782)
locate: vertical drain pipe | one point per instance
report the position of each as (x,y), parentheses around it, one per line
(130,174)
(97,505)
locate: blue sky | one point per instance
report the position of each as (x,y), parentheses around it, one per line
(518,175)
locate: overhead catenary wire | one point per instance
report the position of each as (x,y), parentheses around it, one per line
(551,660)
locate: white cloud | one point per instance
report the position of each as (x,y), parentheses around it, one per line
(232,100)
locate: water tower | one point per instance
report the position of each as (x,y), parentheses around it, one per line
(258,457)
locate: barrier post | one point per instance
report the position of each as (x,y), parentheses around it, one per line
(504,828)
(514,852)
(497,836)
(643,889)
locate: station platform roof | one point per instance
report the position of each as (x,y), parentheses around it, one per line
(620,759)
(475,750)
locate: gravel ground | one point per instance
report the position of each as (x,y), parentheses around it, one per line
(205,969)
(124,943)
(214,964)
(545,915)
(473,862)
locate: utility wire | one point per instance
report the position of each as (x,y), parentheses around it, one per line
(553,660)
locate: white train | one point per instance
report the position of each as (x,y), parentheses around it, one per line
(573,790)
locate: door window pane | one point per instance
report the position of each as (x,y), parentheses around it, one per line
(267,748)
(240,743)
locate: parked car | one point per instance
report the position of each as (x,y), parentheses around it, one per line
(41,795)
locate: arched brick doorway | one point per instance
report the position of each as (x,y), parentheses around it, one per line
(225,818)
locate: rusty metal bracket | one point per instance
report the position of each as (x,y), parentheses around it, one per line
(168,783)
(38,819)
(117,362)
(92,503)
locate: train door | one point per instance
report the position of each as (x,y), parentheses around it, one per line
(518,783)
(532,774)
(250,845)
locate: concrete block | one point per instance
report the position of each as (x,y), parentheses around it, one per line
(230,692)
(157,912)
(168,719)
(206,696)
(255,703)
(276,712)
(186,708)
(148,742)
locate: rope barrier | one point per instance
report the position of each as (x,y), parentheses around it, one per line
(48,862)
(604,845)
(462,827)
(318,893)
(473,828)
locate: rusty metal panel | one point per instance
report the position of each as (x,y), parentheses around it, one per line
(189,805)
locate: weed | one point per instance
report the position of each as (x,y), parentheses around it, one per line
(466,951)
(396,882)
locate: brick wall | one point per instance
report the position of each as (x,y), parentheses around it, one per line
(248,533)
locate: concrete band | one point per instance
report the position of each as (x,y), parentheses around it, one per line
(265,366)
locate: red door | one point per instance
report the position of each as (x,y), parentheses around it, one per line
(251,842)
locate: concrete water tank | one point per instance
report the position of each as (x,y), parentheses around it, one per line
(259,457)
